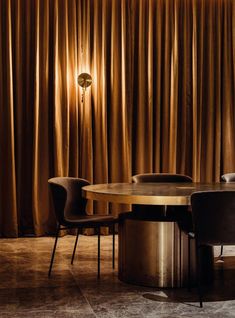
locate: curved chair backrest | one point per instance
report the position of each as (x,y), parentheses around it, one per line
(228,177)
(152,211)
(161,177)
(214,217)
(67,197)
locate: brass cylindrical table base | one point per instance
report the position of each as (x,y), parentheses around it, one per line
(155,254)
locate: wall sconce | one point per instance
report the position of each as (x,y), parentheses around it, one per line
(84,80)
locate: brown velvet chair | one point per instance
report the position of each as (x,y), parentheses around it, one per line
(213,221)
(70,211)
(161,177)
(178,214)
(228,177)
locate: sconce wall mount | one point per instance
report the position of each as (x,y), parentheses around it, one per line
(84,80)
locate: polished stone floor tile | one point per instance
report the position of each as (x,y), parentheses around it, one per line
(75,291)
(47,314)
(54,298)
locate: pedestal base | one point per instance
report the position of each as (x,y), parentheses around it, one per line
(155,254)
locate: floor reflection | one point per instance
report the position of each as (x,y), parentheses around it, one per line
(74,291)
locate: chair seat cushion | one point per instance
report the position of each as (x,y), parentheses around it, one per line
(92,220)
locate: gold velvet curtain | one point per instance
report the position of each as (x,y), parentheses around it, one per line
(162,98)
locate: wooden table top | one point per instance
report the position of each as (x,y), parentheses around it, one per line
(150,193)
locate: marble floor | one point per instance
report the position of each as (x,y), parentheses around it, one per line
(74,291)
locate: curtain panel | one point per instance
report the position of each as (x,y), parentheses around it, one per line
(162,97)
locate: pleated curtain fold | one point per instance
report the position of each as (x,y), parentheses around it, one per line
(162,97)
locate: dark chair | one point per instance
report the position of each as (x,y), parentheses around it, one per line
(70,211)
(161,177)
(228,177)
(179,214)
(213,220)
(164,213)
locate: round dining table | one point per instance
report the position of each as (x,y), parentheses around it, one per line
(151,193)
(151,252)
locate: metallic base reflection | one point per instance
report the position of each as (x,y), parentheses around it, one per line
(155,254)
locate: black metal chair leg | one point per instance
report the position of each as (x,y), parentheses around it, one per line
(53,253)
(199,275)
(221,251)
(113,245)
(75,246)
(98,275)
(189,263)
(180,234)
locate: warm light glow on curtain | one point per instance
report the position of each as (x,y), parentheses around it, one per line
(162,98)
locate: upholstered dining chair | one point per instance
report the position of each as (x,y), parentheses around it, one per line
(179,214)
(161,177)
(227,177)
(165,213)
(70,211)
(213,220)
